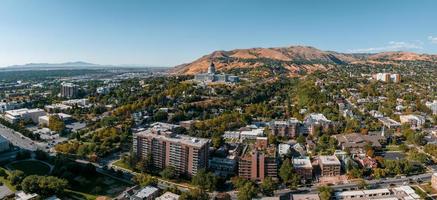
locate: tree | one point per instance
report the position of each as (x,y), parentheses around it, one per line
(325,192)
(56,124)
(15,177)
(44,185)
(168,172)
(268,186)
(3,173)
(145,179)
(363,184)
(194,195)
(247,191)
(287,174)
(301,139)
(379,173)
(204,180)
(160,116)
(217,141)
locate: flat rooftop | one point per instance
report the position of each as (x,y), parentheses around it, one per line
(304,162)
(163,131)
(329,160)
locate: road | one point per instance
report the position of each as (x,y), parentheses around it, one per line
(17,139)
(383,183)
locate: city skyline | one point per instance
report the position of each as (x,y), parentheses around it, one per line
(168,33)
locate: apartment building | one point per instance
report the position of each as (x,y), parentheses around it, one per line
(257,164)
(303,167)
(288,128)
(329,165)
(186,154)
(69,90)
(314,120)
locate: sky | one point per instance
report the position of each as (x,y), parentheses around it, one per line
(168,33)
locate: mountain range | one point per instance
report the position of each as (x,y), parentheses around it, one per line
(293,59)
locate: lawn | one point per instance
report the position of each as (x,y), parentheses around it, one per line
(120,163)
(6,182)
(78,195)
(100,185)
(393,148)
(31,167)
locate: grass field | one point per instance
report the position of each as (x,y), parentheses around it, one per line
(6,182)
(121,164)
(31,167)
(98,185)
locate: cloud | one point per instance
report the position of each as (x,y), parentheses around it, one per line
(391,46)
(432,39)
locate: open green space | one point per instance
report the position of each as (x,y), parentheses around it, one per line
(120,163)
(30,167)
(101,185)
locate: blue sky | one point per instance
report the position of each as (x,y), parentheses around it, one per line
(167,33)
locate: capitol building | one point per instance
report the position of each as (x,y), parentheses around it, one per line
(212,76)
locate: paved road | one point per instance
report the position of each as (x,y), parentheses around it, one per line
(383,183)
(17,139)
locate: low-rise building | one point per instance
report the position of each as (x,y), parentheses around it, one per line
(303,167)
(363,194)
(5,106)
(21,195)
(223,166)
(25,114)
(284,149)
(288,128)
(356,143)
(329,166)
(168,196)
(416,121)
(389,123)
(146,193)
(432,106)
(251,134)
(314,120)
(434,181)
(305,197)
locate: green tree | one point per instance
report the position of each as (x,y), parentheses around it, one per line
(169,172)
(204,180)
(56,124)
(16,176)
(268,186)
(44,185)
(145,179)
(247,191)
(194,195)
(325,192)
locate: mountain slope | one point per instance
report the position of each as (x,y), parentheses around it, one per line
(292,60)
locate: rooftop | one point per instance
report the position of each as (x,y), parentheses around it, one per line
(22,111)
(329,160)
(303,162)
(168,196)
(146,192)
(162,131)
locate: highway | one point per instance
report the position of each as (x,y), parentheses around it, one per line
(17,139)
